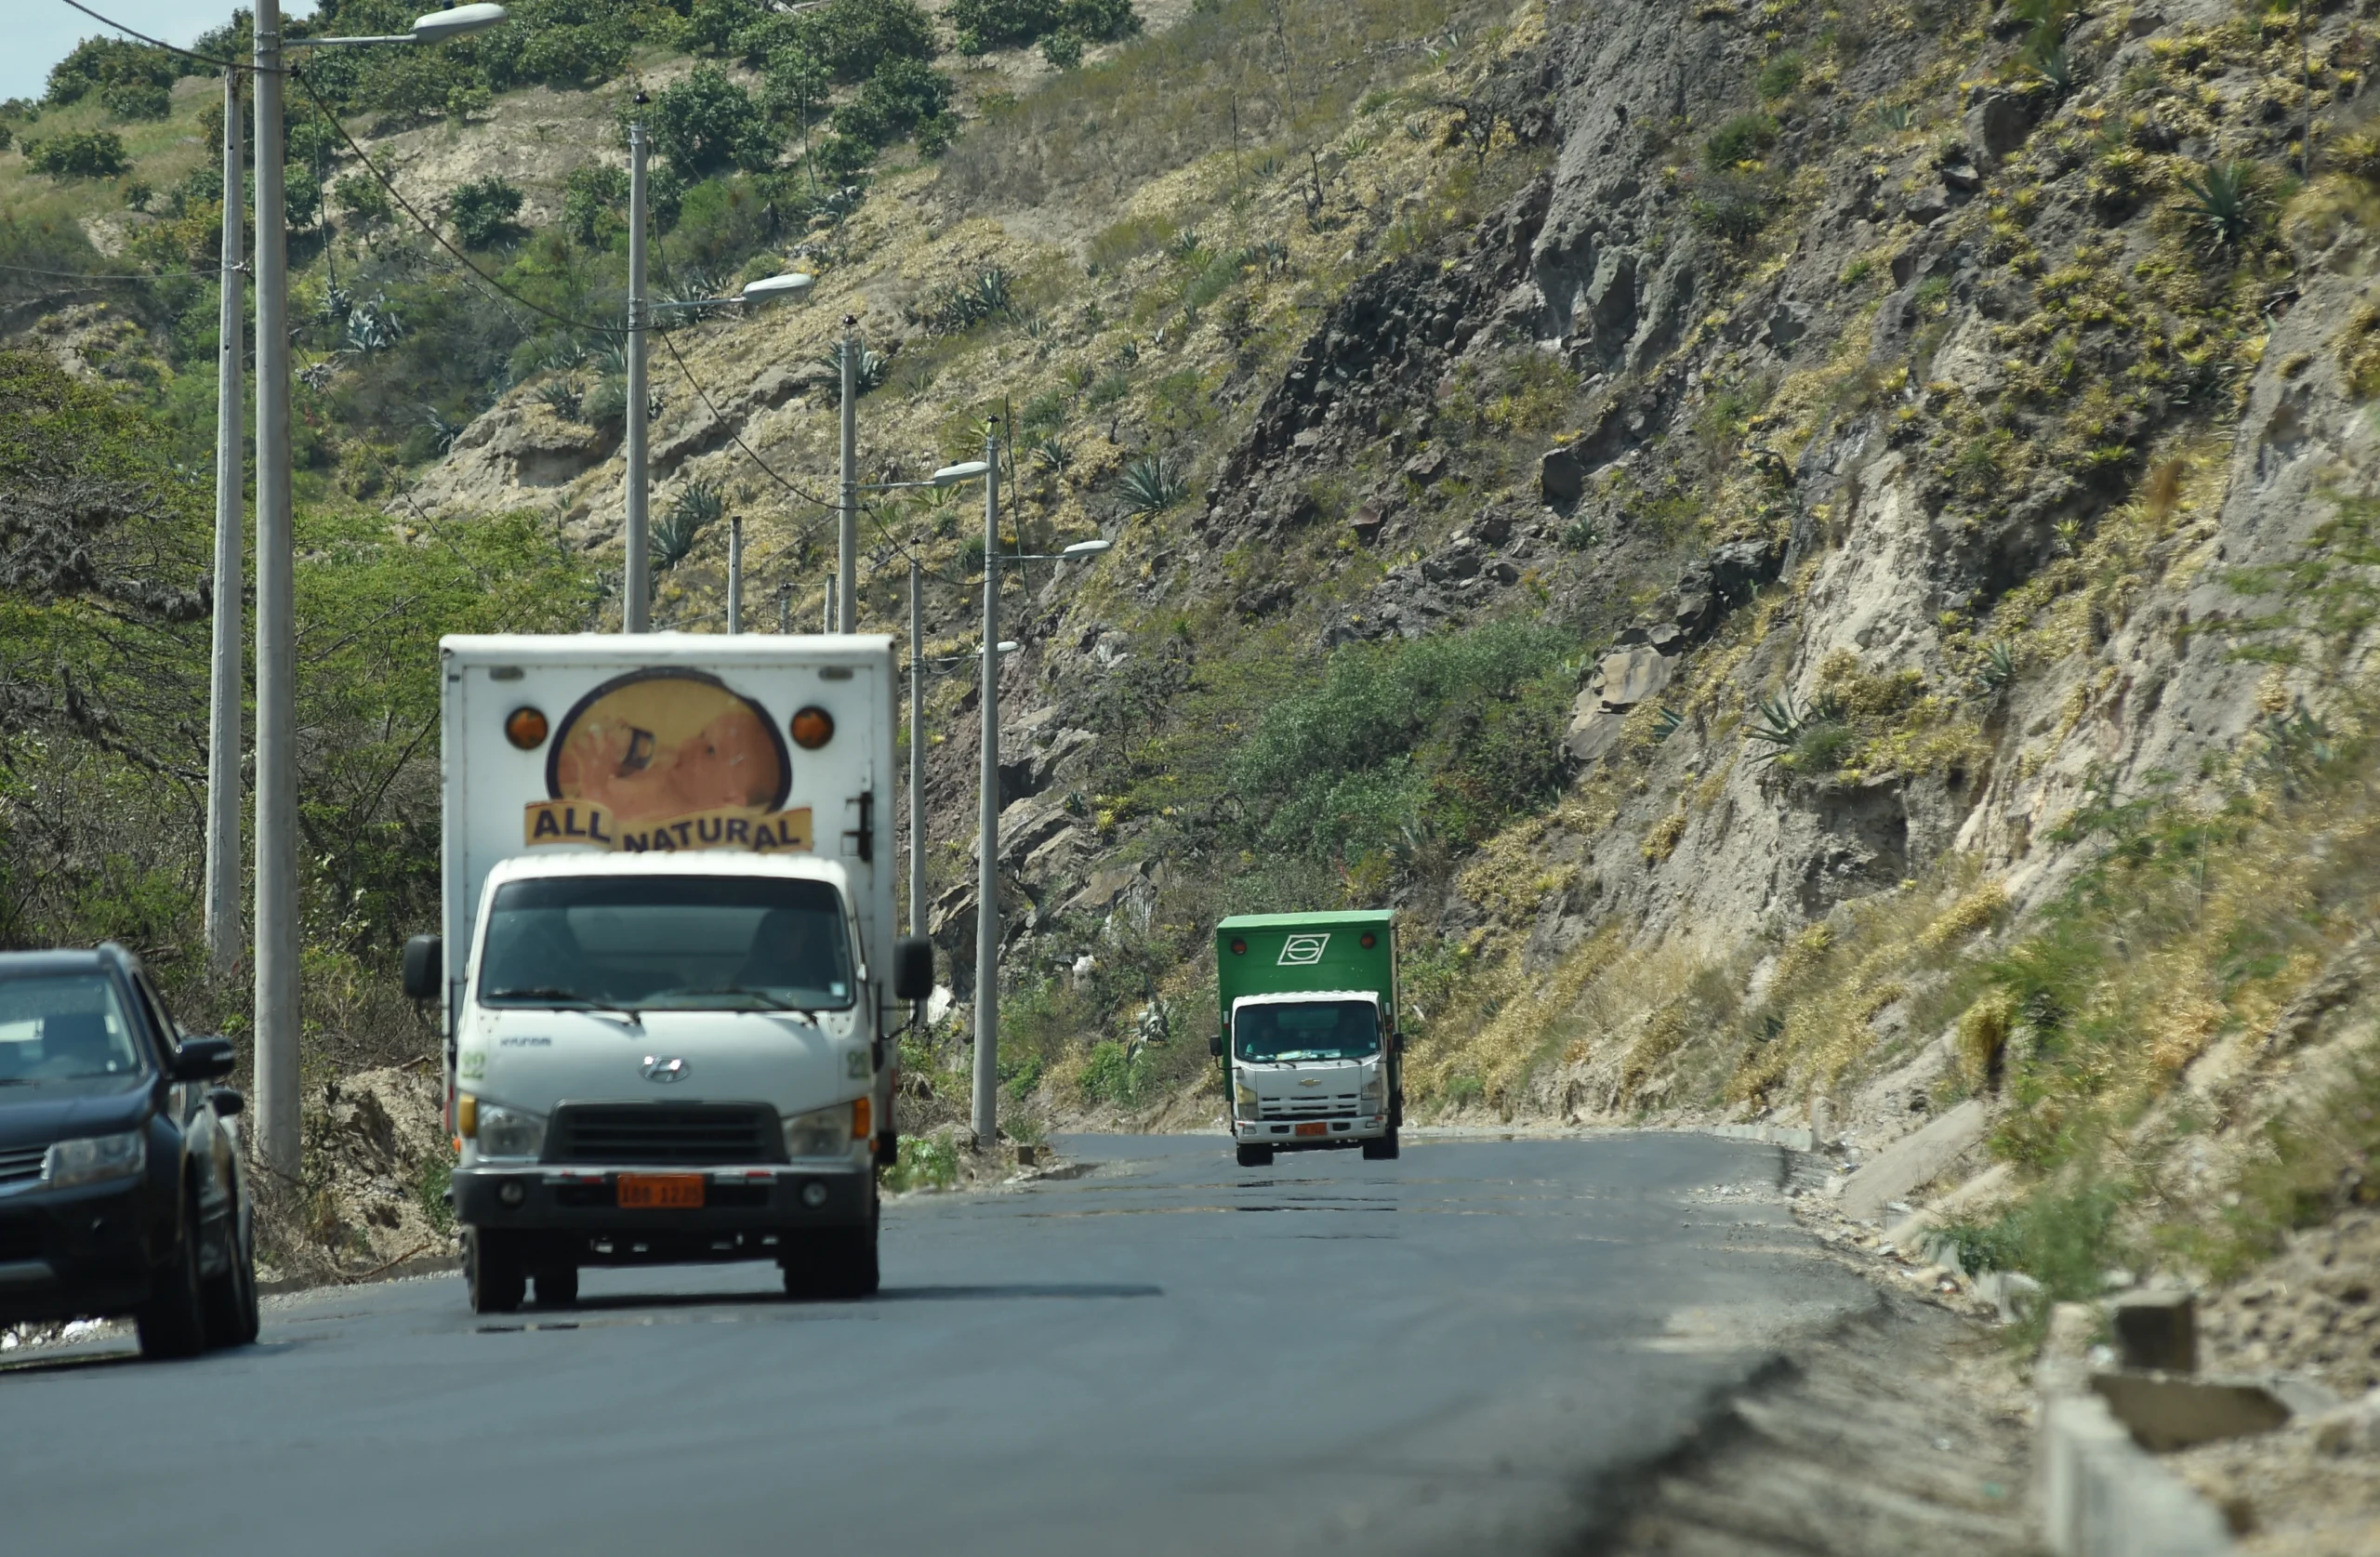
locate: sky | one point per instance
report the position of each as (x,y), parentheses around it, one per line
(45,31)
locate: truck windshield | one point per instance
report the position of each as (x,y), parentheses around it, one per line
(666,942)
(65,1027)
(1308,1030)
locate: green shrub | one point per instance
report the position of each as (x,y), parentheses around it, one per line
(363,199)
(481,211)
(1114,1073)
(984,25)
(595,204)
(1730,205)
(1745,137)
(852,37)
(925,1162)
(78,154)
(97,64)
(137,100)
(1780,77)
(1445,737)
(892,103)
(705,124)
(1062,49)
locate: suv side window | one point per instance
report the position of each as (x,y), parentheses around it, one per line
(169,1038)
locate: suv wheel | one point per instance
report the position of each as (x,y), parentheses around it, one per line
(493,1269)
(173,1322)
(231,1297)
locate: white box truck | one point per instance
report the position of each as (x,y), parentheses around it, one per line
(673,983)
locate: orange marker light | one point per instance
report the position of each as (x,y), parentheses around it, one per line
(812,727)
(863,1120)
(525,728)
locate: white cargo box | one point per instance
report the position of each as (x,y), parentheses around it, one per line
(676,743)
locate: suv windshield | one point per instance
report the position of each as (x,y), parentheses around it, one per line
(63,1027)
(1309,1030)
(666,942)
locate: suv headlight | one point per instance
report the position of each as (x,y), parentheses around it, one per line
(1375,1092)
(94,1159)
(822,1133)
(510,1132)
(1244,1103)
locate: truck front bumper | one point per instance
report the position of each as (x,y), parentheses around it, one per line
(1290,1135)
(584,1202)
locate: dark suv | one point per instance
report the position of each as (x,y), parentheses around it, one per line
(120,1190)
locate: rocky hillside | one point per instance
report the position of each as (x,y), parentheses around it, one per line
(1819,555)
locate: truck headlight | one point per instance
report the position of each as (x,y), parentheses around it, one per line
(1374,1092)
(94,1159)
(822,1133)
(1244,1104)
(510,1132)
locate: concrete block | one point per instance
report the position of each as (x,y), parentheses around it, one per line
(2166,1411)
(2101,1496)
(2156,1330)
(1914,1160)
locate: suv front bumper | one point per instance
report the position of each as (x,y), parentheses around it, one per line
(83,1250)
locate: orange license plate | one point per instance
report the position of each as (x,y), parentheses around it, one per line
(1317,1128)
(661,1192)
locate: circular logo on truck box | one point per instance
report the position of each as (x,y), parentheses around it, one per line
(665,742)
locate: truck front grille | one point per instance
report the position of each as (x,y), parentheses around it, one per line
(1326,1105)
(20,1164)
(668,1134)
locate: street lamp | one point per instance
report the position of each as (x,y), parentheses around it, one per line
(276,906)
(636,606)
(986,1111)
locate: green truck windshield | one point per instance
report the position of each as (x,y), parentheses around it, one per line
(1308,1030)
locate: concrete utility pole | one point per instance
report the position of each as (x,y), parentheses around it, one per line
(785,608)
(987,874)
(637,609)
(827,610)
(735,575)
(917,751)
(224,681)
(276,907)
(847,517)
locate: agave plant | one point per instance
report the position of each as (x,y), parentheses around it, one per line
(1895,116)
(1998,666)
(563,398)
(700,504)
(1188,244)
(868,367)
(2222,200)
(1782,726)
(442,431)
(1051,454)
(1147,487)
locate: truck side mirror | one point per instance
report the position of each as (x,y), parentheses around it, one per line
(1215,1044)
(425,967)
(912,968)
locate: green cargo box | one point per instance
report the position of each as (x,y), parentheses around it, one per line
(1280,954)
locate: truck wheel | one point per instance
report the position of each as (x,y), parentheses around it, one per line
(231,1297)
(173,1322)
(1256,1156)
(888,1148)
(1382,1150)
(493,1270)
(836,1263)
(557,1285)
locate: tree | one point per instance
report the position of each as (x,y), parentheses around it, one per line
(895,100)
(99,63)
(78,154)
(483,210)
(707,123)
(594,199)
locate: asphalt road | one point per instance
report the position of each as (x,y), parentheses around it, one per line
(1459,1352)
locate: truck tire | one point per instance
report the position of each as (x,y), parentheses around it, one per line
(557,1285)
(888,1148)
(231,1298)
(1382,1150)
(835,1263)
(1256,1156)
(493,1270)
(173,1322)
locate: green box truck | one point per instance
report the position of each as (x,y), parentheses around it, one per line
(1308,1032)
